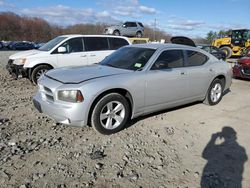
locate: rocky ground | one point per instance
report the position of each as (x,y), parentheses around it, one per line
(161,150)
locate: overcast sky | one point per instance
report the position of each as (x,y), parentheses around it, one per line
(178,17)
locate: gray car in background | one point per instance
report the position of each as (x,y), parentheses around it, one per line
(131,82)
(130,29)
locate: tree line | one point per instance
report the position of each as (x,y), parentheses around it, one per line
(22,28)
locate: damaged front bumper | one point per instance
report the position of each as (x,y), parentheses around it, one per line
(16,70)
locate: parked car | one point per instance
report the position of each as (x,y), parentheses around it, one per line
(63,51)
(21,46)
(131,29)
(133,81)
(1,45)
(213,50)
(242,68)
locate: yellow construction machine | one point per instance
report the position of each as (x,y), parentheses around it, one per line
(237,44)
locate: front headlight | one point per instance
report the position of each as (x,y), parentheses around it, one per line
(20,61)
(74,96)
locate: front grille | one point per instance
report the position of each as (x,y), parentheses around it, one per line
(47,93)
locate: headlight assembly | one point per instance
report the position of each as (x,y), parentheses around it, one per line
(20,61)
(74,96)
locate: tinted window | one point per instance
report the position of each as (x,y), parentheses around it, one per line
(96,43)
(73,45)
(196,58)
(169,59)
(130,58)
(130,24)
(116,43)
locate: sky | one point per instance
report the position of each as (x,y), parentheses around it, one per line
(193,18)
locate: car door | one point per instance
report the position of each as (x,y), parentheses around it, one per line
(199,73)
(97,49)
(166,81)
(74,55)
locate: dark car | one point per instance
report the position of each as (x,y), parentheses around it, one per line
(21,46)
(242,68)
(1,45)
(214,51)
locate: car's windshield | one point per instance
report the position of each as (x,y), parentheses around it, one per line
(130,58)
(52,43)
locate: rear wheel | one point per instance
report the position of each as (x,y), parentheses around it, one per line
(116,33)
(110,114)
(138,34)
(38,72)
(215,92)
(227,50)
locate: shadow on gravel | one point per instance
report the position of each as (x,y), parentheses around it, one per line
(225,161)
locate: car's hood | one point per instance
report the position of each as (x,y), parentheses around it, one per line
(74,75)
(25,54)
(244,60)
(113,27)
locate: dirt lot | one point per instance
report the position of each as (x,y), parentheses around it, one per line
(175,148)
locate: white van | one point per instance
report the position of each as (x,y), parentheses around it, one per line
(63,51)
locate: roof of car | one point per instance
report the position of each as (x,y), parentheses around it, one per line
(79,35)
(165,45)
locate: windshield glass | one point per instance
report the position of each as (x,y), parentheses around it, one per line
(52,43)
(130,58)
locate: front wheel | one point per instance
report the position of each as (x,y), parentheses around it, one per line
(215,92)
(38,72)
(228,51)
(110,114)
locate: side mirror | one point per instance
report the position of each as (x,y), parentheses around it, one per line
(61,49)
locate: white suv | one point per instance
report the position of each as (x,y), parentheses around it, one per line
(63,51)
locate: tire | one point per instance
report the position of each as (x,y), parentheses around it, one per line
(104,116)
(116,33)
(139,34)
(214,93)
(38,71)
(227,50)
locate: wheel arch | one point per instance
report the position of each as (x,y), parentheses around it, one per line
(124,92)
(30,70)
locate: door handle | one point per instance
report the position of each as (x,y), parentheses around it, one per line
(83,56)
(92,55)
(182,73)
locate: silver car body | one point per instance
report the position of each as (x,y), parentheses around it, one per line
(125,30)
(149,90)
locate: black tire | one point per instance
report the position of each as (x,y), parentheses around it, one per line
(139,34)
(227,50)
(38,71)
(210,100)
(116,33)
(102,106)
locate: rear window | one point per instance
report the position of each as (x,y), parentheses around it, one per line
(96,43)
(140,24)
(196,58)
(116,43)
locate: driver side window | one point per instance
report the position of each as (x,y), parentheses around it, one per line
(73,45)
(169,59)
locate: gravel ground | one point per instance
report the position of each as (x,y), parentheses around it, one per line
(174,148)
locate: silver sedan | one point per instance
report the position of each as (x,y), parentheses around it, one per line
(133,81)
